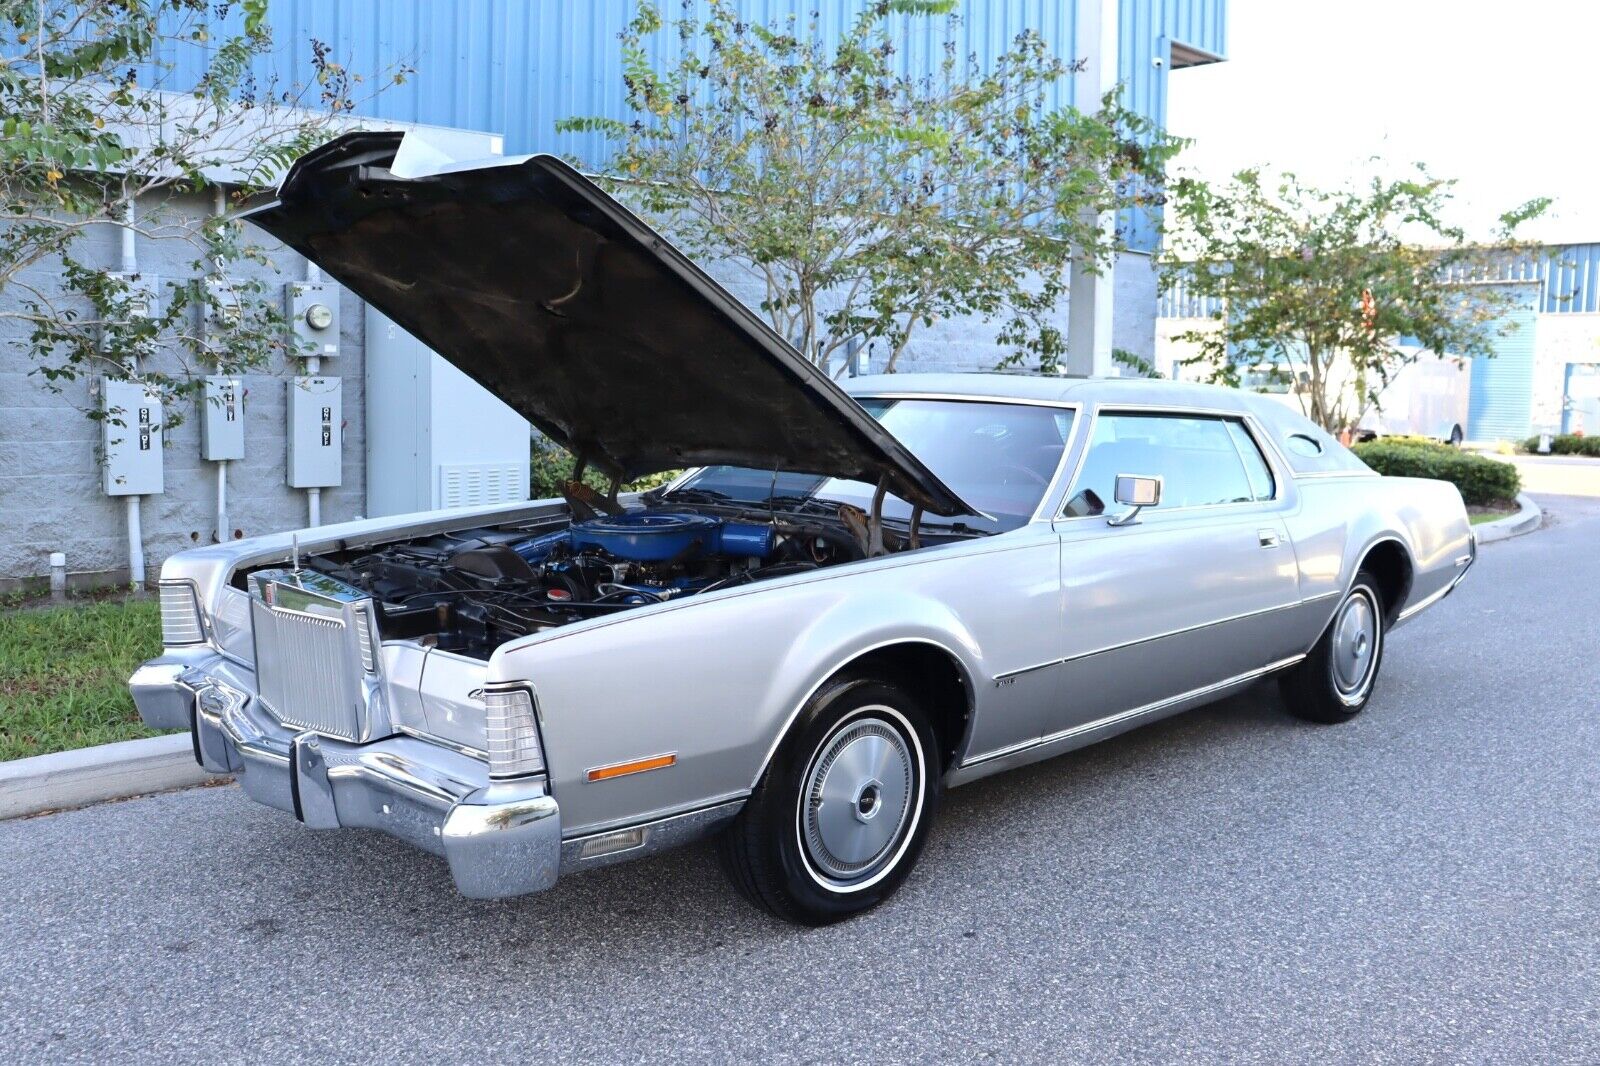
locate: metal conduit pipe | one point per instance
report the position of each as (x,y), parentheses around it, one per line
(135,544)
(219,207)
(130,265)
(313,365)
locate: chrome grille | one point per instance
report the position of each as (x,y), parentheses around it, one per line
(308,670)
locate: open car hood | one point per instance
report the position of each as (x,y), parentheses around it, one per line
(557,299)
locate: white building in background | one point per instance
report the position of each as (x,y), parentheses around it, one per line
(1543,378)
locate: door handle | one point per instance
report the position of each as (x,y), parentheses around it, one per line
(1267,537)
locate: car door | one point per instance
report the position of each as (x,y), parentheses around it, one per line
(1192,592)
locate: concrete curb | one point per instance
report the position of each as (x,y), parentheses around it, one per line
(1526,520)
(93,775)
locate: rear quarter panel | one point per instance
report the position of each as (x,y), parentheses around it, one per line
(1342,518)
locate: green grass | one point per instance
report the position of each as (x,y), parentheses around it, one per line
(1489,516)
(64,674)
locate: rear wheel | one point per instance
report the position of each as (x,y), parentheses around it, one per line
(1334,682)
(842,812)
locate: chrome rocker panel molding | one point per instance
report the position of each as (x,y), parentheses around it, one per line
(1080,736)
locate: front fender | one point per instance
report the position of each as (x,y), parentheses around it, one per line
(840,636)
(716,682)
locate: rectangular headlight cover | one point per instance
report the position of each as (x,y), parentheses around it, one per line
(180,615)
(512,733)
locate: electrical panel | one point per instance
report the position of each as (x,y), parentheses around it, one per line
(316,432)
(313,311)
(142,299)
(222,418)
(131,439)
(435,437)
(223,309)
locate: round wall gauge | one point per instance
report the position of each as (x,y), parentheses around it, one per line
(319,316)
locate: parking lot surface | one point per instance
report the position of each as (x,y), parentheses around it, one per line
(1422,884)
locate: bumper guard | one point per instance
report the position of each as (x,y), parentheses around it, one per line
(501,838)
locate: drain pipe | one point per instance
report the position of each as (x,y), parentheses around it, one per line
(130,266)
(313,367)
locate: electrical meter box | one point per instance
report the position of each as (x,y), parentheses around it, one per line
(143,296)
(142,299)
(316,433)
(313,311)
(222,419)
(130,435)
(223,309)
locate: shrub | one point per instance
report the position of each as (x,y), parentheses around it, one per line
(1411,440)
(1481,480)
(551,465)
(1566,444)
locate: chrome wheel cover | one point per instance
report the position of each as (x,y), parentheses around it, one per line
(860,799)
(1357,636)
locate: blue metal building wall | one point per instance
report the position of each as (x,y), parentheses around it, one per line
(516,66)
(1501,395)
(1146,32)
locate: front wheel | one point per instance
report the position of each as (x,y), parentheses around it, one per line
(842,813)
(1334,682)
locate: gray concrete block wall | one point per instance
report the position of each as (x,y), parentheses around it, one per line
(50,490)
(50,481)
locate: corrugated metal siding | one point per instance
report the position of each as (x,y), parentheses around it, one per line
(1568,276)
(516,66)
(1501,404)
(1177,301)
(1146,30)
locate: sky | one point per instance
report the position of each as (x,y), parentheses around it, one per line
(1503,95)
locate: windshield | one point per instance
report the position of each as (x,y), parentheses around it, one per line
(999,457)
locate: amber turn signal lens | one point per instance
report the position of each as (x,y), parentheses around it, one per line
(637,766)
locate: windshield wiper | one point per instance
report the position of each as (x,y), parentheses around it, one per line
(689,495)
(960,528)
(802,503)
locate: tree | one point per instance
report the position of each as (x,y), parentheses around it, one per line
(92,140)
(871,203)
(1335,291)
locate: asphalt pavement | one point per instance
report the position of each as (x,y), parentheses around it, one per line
(1422,884)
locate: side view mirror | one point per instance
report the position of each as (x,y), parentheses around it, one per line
(1137,491)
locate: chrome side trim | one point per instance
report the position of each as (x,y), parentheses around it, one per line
(1162,636)
(967,398)
(1135,712)
(1428,601)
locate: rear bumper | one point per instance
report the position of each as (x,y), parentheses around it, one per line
(501,838)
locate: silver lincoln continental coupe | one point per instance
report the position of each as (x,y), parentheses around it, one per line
(852,600)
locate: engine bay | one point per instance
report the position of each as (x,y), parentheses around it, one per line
(472,590)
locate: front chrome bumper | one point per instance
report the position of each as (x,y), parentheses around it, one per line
(500,838)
